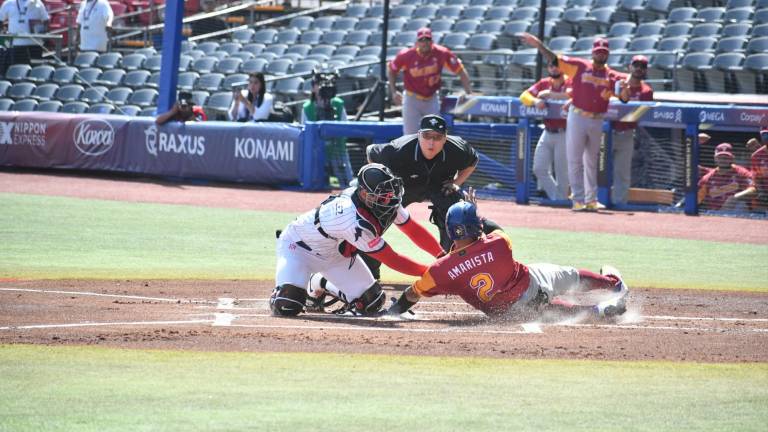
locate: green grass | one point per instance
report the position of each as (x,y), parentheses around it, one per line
(133,390)
(55,237)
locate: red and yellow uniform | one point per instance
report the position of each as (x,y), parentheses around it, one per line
(759,165)
(421,73)
(592,89)
(716,187)
(484,274)
(548,84)
(643,92)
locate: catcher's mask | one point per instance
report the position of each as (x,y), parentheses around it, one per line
(381,191)
(462,222)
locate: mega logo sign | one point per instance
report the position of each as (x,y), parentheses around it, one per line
(94,137)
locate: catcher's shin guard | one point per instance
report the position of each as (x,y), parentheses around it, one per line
(287,300)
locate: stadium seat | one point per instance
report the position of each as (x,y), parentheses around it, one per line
(733,44)
(111,78)
(678,29)
(153,63)
(229,65)
(265,36)
(127,110)
(230,47)
(279,66)
(324,23)
(94,94)
(753,78)
(350,50)
(333,37)
(267,55)
(722,77)
(17,72)
(761,16)
(401,10)
(357,37)
(254,65)
(302,23)
(690,75)
(75,107)
(24,105)
(243,36)
(522,64)
(468,2)
(739,14)
(153,81)
(427,11)
(553,13)
(143,97)
(185,81)
(471,12)
(118,95)
(254,48)
(100,108)
(456,41)
(289,89)
(711,14)
(301,49)
(4,86)
(647,43)
(184,62)
(210,82)
(218,104)
(108,60)
(208,47)
(618,43)
(707,29)
(287,36)
(85,59)
(371,24)
(736,29)
(218,55)
(370,50)
(199,97)
(653,10)
(491,26)
(132,62)
(205,65)
(234,80)
(6,104)
(597,21)
(311,37)
(397,24)
(417,23)
(672,44)
(49,106)
(622,29)
(405,38)
(356,10)
(702,44)
(464,26)
(40,74)
(757,45)
(243,55)
(627,10)
(498,13)
(64,75)
(186,45)
(45,91)
(681,14)
(583,44)
(21,90)
(650,29)
(345,23)
(733,4)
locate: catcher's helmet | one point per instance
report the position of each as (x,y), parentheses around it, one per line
(381,191)
(462,222)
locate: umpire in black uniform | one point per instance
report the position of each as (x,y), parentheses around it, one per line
(433,166)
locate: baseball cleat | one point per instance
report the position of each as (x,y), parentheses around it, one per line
(595,206)
(578,207)
(611,308)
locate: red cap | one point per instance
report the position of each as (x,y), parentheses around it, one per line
(424,33)
(724,149)
(639,59)
(600,44)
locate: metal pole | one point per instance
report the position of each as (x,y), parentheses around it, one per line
(542,21)
(382,84)
(169,69)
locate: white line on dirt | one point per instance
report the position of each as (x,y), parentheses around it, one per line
(125,296)
(104,324)
(225,303)
(674,318)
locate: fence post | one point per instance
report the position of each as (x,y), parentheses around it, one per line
(605,165)
(692,169)
(523,172)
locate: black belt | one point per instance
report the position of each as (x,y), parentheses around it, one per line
(555,130)
(317,225)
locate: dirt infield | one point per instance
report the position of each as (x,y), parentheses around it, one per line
(233,315)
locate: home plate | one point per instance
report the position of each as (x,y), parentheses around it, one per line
(531,328)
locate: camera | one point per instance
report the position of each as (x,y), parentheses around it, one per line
(239,86)
(325,79)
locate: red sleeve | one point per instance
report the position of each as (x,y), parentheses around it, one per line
(399,61)
(398,262)
(199,114)
(423,238)
(536,88)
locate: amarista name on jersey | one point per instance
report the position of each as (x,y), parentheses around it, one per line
(470,263)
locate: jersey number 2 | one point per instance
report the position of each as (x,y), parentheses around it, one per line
(483,284)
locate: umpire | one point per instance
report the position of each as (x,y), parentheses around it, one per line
(433,166)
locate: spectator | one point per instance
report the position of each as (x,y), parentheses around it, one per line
(624,132)
(593,85)
(728,186)
(95,20)
(184,110)
(323,104)
(24,17)
(551,145)
(422,66)
(252,103)
(759,165)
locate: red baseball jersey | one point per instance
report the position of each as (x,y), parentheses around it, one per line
(591,88)
(719,185)
(548,84)
(421,73)
(759,167)
(484,274)
(643,92)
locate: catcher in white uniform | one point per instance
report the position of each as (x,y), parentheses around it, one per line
(325,240)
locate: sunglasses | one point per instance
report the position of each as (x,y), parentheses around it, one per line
(640,65)
(425,40)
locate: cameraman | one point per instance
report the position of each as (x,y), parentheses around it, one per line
(323,104)
(183,110)
(252,103)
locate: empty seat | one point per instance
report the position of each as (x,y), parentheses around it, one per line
(465,26)
(498,13)
(208,47)
(583,44)
(706,29)
(6,104)
(758,45)
(143,97)
(371,24)
(681,14)
(253,48)
(243,55)
(672,44)
(455,41)
(647,43)
(333,37)
(722,78)
(218,103)
(154,80)
(710,14)
(654,9)
(305,66)
(678,29)
(21,90)
(357,37)
(731,44)
(265,36)
(219,55)
(108,60)
(736,29)
(597,20)
(427,11)
(94,94)
(210,82)
(302,23)
(75,107)
(350,50)
(401,10)
(85,59)
(243,36)
(205,64)
(397,24)
(753,77)
(50,106)
(17,72)
(356,10)
(279,67)
(760,30)
(101,108)
(24,105)
(324,22)
(112,77)
(691,73)
(230,47)
(64,75)
(118,95)
(153,63)
(4,86)
(45,91)
(491,26)
(289,88)
(187,80)
(199,97)
(40,74)
(404,38)
(569,24)
(127,110)
(133,61)
(739,14)
(700,44)
(311,37)
(229,65)
(254,65)
(287,36)
(625,28)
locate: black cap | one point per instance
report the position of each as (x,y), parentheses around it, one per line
(185,98)
(434,123)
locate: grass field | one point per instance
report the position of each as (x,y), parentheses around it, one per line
(102,389)
(107,389)
(54,237)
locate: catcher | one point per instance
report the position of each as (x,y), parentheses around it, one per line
(481,269)
(326,240)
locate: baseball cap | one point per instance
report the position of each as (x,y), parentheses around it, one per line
(764,135)
(640,59)
(185,98)
(435,123)
(424,33)
(724,149)
(600,44)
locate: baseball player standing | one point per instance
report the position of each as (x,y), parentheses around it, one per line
(593,85)
(728,186)
(482,271)
(624,132)
(422,65)
(551,146)
(326,240)
(759,165)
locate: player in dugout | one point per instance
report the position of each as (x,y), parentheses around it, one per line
(482,270)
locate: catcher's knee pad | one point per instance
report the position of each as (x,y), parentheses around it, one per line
(288,300)
(371,301)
